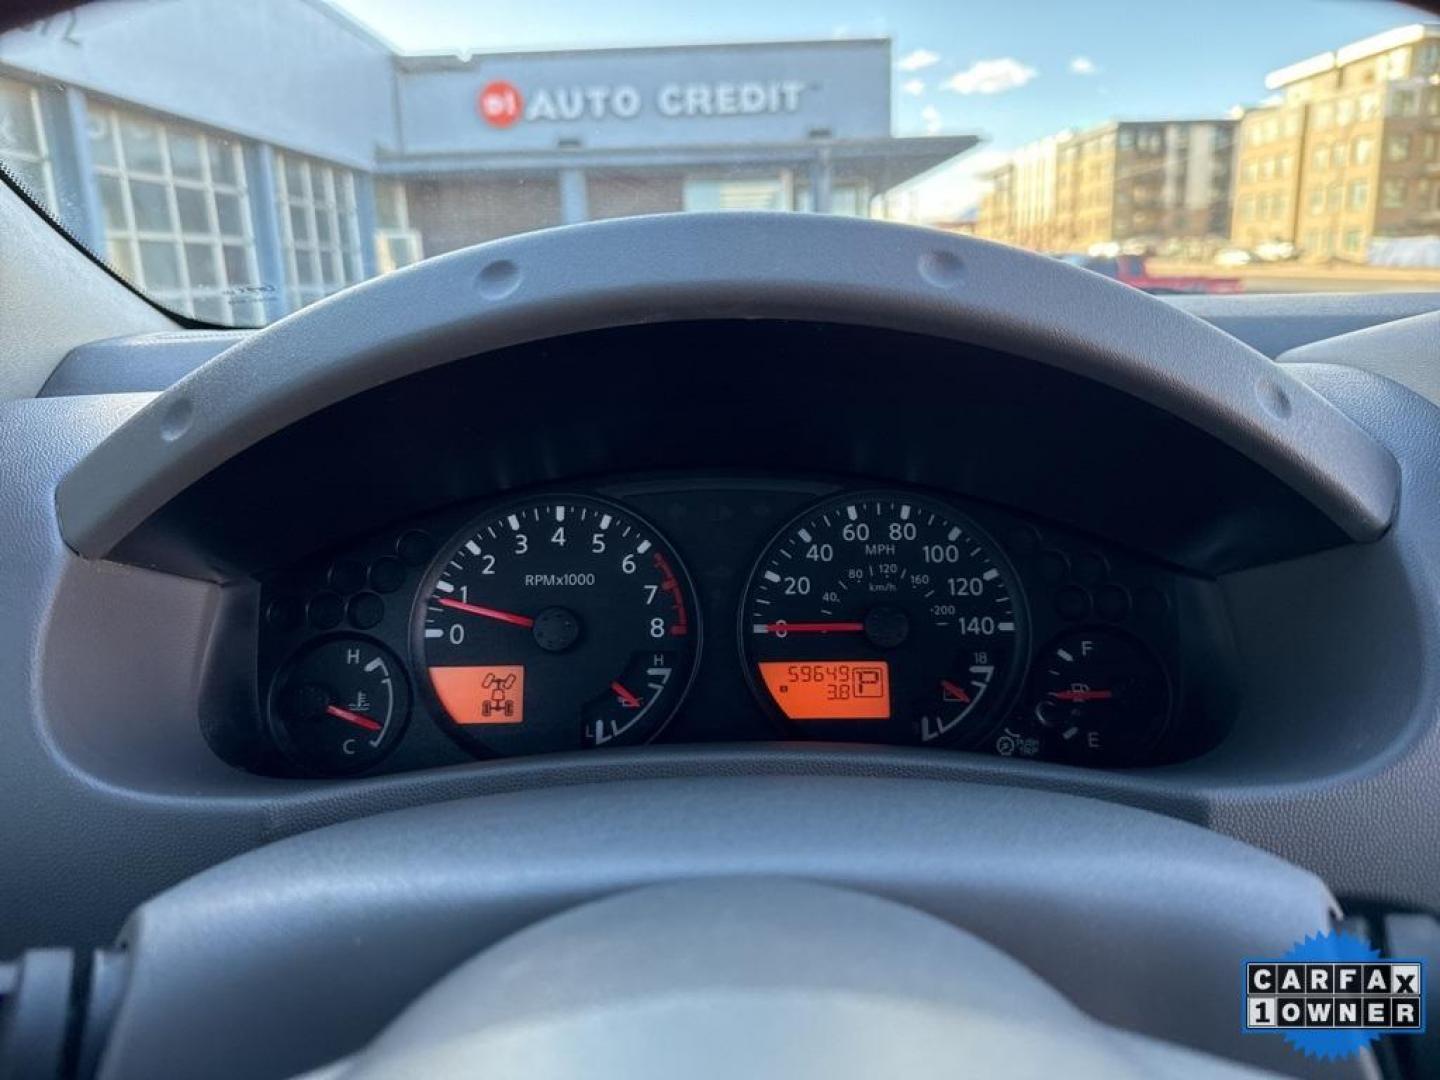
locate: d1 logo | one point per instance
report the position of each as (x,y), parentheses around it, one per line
(500,103)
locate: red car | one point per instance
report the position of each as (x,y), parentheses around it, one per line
(1132,270)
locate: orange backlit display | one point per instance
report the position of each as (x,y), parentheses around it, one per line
(829,689)
(490,694)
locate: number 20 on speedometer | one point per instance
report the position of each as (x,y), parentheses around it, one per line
(884,617)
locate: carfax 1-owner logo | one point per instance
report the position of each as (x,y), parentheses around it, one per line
(1332,995)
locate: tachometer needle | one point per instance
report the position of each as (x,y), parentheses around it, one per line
(486,612)
(629,700)
(1082,695)
(353,718)
(810,628)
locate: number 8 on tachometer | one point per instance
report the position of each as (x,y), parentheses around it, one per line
(884,617)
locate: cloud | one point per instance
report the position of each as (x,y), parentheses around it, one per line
(931,116)
(991,77)
(913,87)
(1083,65)
(914,61)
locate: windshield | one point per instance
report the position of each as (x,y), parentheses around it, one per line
(236,162)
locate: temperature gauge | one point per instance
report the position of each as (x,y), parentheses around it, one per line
(339,706)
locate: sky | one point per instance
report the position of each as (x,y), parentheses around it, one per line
(1008,70)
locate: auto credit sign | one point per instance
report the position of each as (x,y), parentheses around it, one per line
(502,103)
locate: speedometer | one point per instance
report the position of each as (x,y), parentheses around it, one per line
(884,617)
(559,623)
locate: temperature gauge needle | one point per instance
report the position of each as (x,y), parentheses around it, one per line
(353,718)
(629,700)
(1082,695)
(486,612)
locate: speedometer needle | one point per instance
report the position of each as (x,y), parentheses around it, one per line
(353,718)
(1082,695)
(486,612)
(811,627)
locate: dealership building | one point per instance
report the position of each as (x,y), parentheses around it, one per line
(241,160)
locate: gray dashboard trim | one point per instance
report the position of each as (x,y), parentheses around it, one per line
(676,267)
(1270,323)
(1275,323)
(1407,351)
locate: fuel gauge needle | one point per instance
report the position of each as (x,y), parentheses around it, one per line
(353,718)
(1082,695)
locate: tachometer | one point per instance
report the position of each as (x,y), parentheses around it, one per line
(557,623)
(884,617)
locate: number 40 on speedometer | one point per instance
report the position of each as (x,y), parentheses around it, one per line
(884,617)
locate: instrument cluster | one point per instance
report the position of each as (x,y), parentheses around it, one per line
(709,609)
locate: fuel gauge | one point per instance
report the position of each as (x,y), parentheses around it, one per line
(1098,697)
(339,706)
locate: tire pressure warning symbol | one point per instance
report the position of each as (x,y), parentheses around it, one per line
(489,694)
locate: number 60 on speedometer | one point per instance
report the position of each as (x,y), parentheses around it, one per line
(884,617)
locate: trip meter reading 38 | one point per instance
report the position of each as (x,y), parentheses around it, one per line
(884,617)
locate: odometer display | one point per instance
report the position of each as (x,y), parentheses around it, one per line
(558,623)
(884,617)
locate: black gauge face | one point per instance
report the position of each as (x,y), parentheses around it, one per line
(554,624)
(339,706)
(883,618)
(1097,697)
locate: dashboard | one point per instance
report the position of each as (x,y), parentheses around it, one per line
(729,608)
(786,501)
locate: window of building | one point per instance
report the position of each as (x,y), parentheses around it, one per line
(1317,200)
(1364,147)
(1428,58)
(1247,208)
(1336,196)
(23,150)
(1397,148)
(1432,147)
(1369,106)
(767,193)
(1405,101)
(1267,169)
(177,218)
(396,243)
(1352,240)
(1344,111)
(1287,164)
(319,228)
(1432,101)
(1392,193)
(1359,194)
(1340,154)
(1324,116)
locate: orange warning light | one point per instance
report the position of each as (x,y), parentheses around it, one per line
(829,690)
(490,694)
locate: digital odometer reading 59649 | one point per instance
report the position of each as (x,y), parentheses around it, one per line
(884,617)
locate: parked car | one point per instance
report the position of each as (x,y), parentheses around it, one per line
(1134,271)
